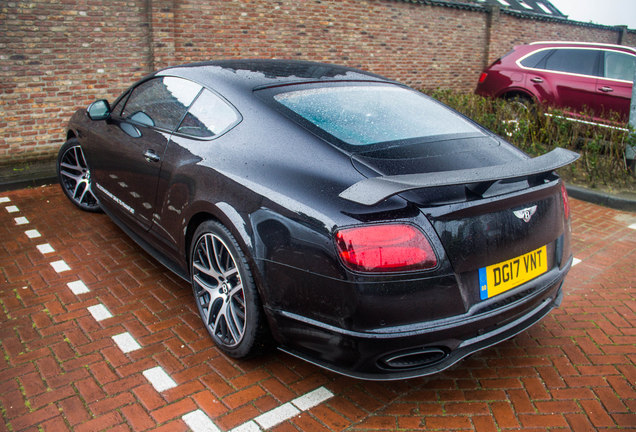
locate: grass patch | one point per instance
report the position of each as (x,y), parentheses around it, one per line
(602,149)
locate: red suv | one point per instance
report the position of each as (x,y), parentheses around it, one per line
(575,76)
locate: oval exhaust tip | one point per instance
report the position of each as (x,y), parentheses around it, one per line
(414,358)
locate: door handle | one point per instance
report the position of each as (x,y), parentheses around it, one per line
(606,89)
(151,156)
(536,80)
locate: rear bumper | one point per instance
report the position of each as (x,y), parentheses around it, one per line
(423,348)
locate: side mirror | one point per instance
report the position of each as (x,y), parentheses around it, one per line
(99,110)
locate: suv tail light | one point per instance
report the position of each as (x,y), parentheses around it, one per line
(385,248)
(566,201)
(482,77)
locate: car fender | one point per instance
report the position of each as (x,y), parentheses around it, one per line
(223,212)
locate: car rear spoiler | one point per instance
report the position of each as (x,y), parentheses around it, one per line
(374,190)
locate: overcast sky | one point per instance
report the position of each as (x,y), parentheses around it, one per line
(607,12)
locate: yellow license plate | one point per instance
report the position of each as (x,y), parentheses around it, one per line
(501,277)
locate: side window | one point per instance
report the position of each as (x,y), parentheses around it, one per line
(208,116)
(536,60)
(578,61)
(619,66)
(160,102)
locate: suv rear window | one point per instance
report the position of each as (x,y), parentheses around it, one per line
(362,115)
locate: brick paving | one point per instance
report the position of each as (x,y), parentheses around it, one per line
(64,366)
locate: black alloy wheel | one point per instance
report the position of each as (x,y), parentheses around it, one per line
(74,176)
(225,293)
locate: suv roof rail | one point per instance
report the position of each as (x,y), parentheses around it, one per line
(597,44)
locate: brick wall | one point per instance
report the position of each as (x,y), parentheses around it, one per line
(421,45)
(58,55)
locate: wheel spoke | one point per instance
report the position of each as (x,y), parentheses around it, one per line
(240,302)
(235,291)
(205,287)
(220,321)
(203,300)
(200,253)
(81,161)
(228,275)
(74,167)
(74,177)
(201,268)
(77,185)
(208,314)
(218,248)
(234,328)
(206,251)
(81,198)
(237,316)
(77,158)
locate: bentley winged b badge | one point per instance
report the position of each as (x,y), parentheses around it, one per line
(526,213)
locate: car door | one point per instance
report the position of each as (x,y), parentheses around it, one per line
(129,157)
(567,77)
(614,88)
(210,116)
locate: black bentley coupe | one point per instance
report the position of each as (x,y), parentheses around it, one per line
(362,225)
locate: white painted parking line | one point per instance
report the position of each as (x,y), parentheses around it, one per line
(575,261)
(12,209)
(199,422)
(33,234)
(45,248)
(21,221)
(60,266)
(78,287)
(5,200)
(126,342)
(312,399)
(286,411)
(633,226)
(159,379)
(99,312)
(277,415)
(250,426)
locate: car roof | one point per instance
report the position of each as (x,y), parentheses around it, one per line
(248,75)
(553,44)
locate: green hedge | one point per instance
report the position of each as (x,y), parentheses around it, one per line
(538,130)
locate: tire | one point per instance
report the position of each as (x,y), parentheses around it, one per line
(225,292)
(521,104)
(74,176)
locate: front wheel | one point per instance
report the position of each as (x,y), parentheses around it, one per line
(74,176)
(225,292)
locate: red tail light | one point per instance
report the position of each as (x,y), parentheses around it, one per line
(482,77)
(385,248)
(566,201)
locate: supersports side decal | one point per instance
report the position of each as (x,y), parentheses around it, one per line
(114,198)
